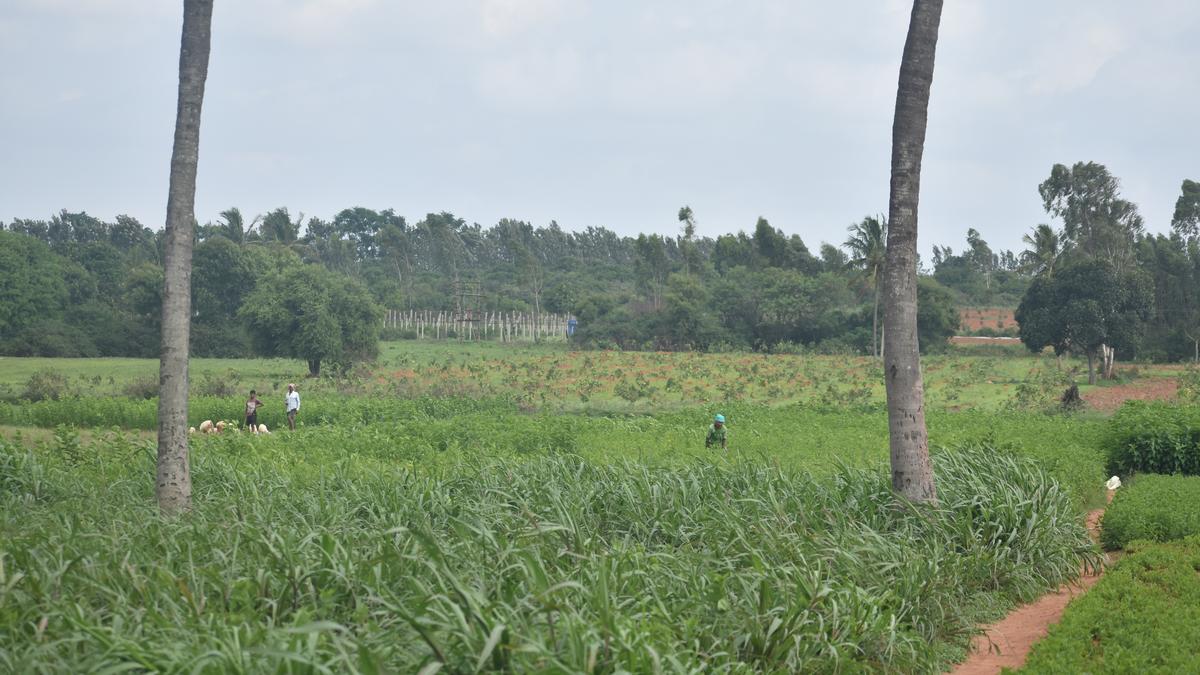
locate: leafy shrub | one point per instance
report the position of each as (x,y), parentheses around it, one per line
(1154,508)
(67,444)
(1042,389)
(1142,617)
(1189,385)
(222,386)
(47,385)
(141,387)
(1154,438)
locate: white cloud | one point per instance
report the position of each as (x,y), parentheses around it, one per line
(503,18)
(1073,60)
(102,7)
(534,80)
(683,77)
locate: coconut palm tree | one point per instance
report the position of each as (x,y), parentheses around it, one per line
(173,481)
(1045,247)
(233,226)
(912,472)
(867,244)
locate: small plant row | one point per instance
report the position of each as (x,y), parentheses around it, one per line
(1154,438)
(1153,507)
(1142,617)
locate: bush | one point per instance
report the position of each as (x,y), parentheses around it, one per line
(1142,617)
(1154,438)
(141,387)
(47,385)
(1042,389)
(1154,508)
(218,386)
(1189,385)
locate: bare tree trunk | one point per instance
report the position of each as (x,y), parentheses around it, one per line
(912,471)
(173,481)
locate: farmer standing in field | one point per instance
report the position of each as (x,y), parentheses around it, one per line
(717,434)
(293,406)
(252,405)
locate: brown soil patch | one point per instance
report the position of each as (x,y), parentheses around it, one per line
(973,340)
(1006,643)
(995,318)
(1108,399)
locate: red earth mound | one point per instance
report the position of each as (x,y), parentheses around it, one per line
(995,318)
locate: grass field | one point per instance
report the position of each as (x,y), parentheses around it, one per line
(479,507)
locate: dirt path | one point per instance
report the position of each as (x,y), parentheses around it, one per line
(1006,643)
(1108,399)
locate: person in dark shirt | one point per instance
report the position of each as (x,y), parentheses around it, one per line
(252,405)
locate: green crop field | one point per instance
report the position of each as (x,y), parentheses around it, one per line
(550,376)
(530,509)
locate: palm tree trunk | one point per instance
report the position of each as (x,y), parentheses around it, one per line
(912,471)
(173,481)
(876,351)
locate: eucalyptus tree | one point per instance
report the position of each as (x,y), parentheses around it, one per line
(173,481)
(1186,220)
(692,258)
(1097,221)
(912,471)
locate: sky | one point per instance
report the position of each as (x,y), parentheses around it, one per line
(606,113)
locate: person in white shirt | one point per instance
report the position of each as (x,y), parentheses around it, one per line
(293,406)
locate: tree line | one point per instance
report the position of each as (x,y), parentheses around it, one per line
(1104,287)
(79,286)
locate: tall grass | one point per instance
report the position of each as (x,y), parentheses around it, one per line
(338,558)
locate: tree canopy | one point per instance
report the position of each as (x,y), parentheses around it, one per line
(1084,306)
(310,313)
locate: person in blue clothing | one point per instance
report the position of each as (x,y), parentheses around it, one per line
(717,434)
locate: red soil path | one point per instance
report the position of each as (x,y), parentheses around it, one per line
(1006,643)
(973,340)
(1108,399)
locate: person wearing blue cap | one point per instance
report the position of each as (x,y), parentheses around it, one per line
(717,434)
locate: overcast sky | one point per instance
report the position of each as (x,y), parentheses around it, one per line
(610,113)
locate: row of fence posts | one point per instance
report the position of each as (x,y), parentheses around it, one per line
(503,326)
